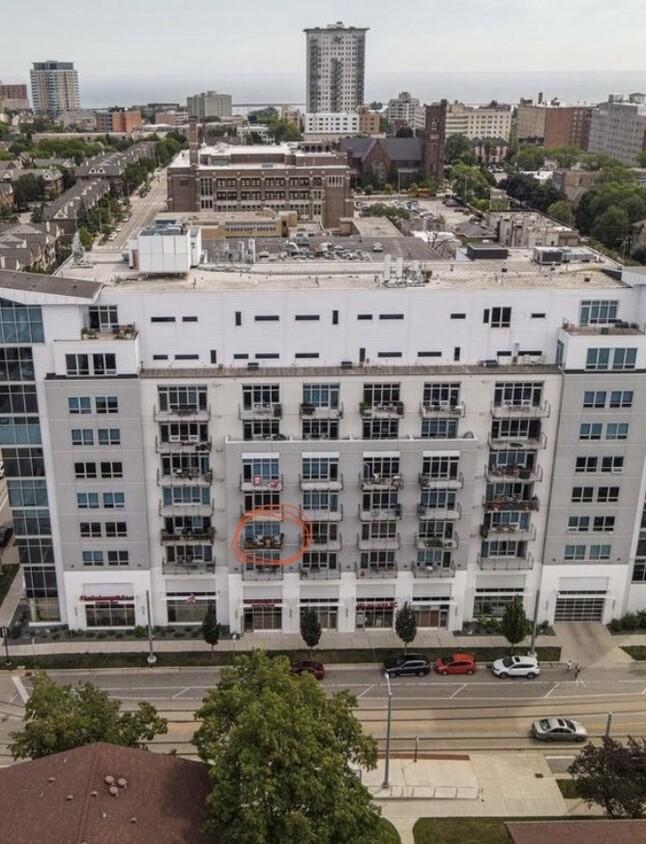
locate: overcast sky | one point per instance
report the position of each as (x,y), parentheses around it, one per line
(211,37)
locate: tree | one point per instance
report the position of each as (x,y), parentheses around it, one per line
(283,758)
(612,227)
(562,211)
(613,776)
(405,132)
(405,624)
(565,156)
(86,238)
(310,628)
(283,130)
(459,148)
(641,158)
(26,189)
(514,625)
(530,158)
(60,717)
(210,626)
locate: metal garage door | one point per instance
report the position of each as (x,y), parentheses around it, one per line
(579,609)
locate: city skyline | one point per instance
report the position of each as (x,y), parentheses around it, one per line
(439,37)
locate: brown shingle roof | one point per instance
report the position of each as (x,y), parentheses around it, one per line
(64,799)
(578,832)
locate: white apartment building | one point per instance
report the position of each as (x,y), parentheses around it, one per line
(478,121)
(336,67)
(469,435)
(54,87)
(406,109)
(618,128)
(331,123)
(209,104)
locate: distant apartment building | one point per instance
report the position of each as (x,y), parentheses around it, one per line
(54,87)
(553,124)
(530,229)
(492,121)
(171,118)
(118,120)
(291,115)
(331,124)
(406,111)
(618,128)
(369,121)
(250,178)
(574,183)
(209,104)
(14,98)
(336,63)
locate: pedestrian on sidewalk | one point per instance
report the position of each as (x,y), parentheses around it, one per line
(569,665)
(577,671)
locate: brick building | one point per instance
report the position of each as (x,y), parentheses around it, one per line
(118,120)
(553,124)
(434,139)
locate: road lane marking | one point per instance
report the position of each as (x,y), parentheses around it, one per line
(22,691)
(553,689)
(369,689)
(457,691)
(181,692)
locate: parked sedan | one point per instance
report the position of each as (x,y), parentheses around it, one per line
(309,666)
(455,664)
(558,729)
(407,664)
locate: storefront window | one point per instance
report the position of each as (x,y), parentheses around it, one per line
(327,616)
(432,616)
(375,615)
(110,614)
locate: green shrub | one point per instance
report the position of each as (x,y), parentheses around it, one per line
(140,632)
(641,615)
(616,625)
(119,635)
(630,621)
(102,635)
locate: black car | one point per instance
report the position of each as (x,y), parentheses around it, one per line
(407,664)
(6,532)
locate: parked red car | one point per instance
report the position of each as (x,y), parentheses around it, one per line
(456,664)
(309,666)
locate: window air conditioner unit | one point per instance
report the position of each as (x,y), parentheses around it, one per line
(194,438)
(174,438)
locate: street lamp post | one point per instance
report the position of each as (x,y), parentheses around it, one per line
(532,643)
(386,783)
(151,659)
(5,636)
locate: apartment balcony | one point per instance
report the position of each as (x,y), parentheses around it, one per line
(117,332)
(320,484)
(379,543)
(376,515)
(258,483)
(269,410)
(378,481)
(315,411)
(498,473)
(190,567)
(185,477)
(433,482)
(320,543)
(178,445)
(263,572)
(190,508)
(260,516)
(506,563)
(512,442)
(184,412)
(426,570)
(324,515)
(511,502)
(319,573)
(440,513)
(376,571)
(514,531)
(187,535)
(520,410)
(431,410)
(263,542)
(447,543)
(381,411)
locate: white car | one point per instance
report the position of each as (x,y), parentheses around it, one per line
(516,666)
(377,247)
(558,729)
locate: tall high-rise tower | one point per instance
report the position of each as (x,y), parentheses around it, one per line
(54,87)
(336,68)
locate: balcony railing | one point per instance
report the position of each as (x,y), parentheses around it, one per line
(379,543)
(378,481)
(184,412)
(262,542)
(520,409)
(511,502)
(258,482)
(318,484)
(184,477)
(427,481)
(117,332)
(448,543)
(424,570)
(375,570)
(381,411)
(431,409)
(321,543)
(506,563)
(316,411)
(262,516)
(448,513)
(516,441)
(189,567)
(189,508)
(522,533)
(263,572)
(324,515)
(187,445)
(269,410)
(495,473)
(188,535)
(385,514)
(319,573)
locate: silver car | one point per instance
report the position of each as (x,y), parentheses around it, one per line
(558,729)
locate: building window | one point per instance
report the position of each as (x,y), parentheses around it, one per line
(606,358)
(104,364)
(111,469)
(608,494)
(594,398)
(582,494)
(621,398)
(77,365)
(110,614)
(116,500)
(87,500)
(598,311)
(90,530)
(115,530)
(85,471)
(118,558)
(578,524)
(590,431)
(380,429)
(603,524)
(107,404)
(92,558)
(109,436)
(441,395)
(617,431)
(574,552)
(79,404)
(103,317)
(82,436)
(500,317)
(439,428)
(320,429)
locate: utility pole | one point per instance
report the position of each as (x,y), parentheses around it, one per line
(151,659)
(5,636)
(386,783)
(532,643)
